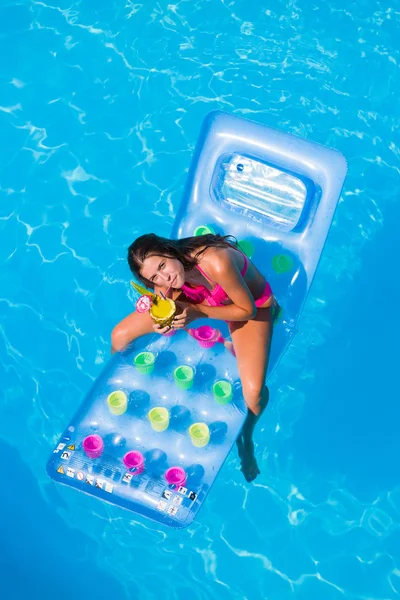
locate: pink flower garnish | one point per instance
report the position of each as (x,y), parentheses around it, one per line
(143,304)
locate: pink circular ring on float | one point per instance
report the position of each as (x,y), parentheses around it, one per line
(93,446)
(134,460)
(206,336)
(176,476)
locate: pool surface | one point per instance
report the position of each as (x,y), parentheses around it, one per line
(101,104)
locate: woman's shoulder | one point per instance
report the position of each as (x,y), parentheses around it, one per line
(211,253)
(216,258)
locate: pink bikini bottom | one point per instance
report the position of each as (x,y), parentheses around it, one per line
(266,295)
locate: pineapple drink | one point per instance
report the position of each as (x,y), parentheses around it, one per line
(163,311)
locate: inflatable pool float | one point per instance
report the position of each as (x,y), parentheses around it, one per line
(159,422)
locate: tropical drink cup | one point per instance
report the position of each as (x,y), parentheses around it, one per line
(163,311)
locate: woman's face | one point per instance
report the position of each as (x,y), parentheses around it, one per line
(163,271)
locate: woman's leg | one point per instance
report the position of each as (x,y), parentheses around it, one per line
(252,342)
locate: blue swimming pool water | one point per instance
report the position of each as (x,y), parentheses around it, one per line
(100,108)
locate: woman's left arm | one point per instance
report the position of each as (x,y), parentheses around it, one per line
(224,271)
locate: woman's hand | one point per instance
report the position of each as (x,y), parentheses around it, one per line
(185,315)
(158,329)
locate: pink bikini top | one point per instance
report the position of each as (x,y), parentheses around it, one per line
(215,297)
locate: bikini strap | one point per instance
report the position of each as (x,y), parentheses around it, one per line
(245,264)
(204,274)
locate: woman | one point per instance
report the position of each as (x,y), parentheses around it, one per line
(210,277)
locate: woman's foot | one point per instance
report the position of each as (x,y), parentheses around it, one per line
(249,466)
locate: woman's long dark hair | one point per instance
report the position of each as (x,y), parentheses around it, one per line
(187,250)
